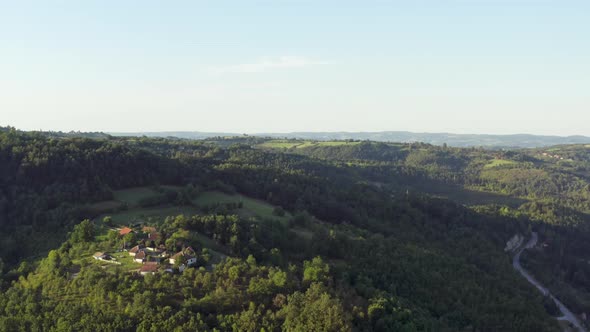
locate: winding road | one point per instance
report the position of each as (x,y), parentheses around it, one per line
(567,314)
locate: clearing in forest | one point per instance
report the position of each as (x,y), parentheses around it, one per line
(132,196)
(500,162)
(298,144)
(250,207)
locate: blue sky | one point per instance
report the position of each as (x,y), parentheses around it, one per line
(277,66)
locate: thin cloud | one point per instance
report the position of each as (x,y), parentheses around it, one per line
(267,64)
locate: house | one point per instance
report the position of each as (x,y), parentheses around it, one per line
(133,251)
(187,256)
(153,236)
(191,256)
(140,257)
(124,231)
(101,256)
(158,256)
(191,261)
(148,268)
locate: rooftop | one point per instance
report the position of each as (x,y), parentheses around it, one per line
(125,231)
(149,267)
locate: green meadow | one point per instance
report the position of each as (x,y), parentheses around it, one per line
(133,196)
(298,144)
(500,162)
(251,207)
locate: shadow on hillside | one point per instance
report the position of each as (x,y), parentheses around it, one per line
(466,196)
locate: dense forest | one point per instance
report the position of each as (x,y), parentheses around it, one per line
(549,187)
(287,234)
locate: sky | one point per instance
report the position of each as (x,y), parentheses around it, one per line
(471,66)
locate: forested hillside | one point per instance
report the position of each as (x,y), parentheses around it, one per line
(548,186)
(332,237)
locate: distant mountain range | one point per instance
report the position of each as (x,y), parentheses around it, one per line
(456,140)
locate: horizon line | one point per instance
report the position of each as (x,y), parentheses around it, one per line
(236,133)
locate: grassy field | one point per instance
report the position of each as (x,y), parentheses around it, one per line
(288,144)
(169,187)
(499,162)
(133,196)
(216,257)
(104,207)
(135,214)
(139,215)
(251,207)
(335,143)
(280,144)
(209,243)
(127,262)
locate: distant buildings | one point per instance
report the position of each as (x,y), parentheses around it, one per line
(151,257)
(554,156)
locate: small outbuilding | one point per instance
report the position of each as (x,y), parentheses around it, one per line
(101,256)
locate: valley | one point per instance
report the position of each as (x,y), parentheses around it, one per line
(406,237)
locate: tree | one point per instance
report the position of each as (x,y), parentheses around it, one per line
(83,232)
(108,220)
(179,261)
(315,310)
(278,211)
(129,237)
(205,256)
(316,270)
(113,237)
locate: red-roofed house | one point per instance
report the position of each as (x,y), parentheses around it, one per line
(153,236)
(140,257)
(133,251)
(148,268)
(125,230)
